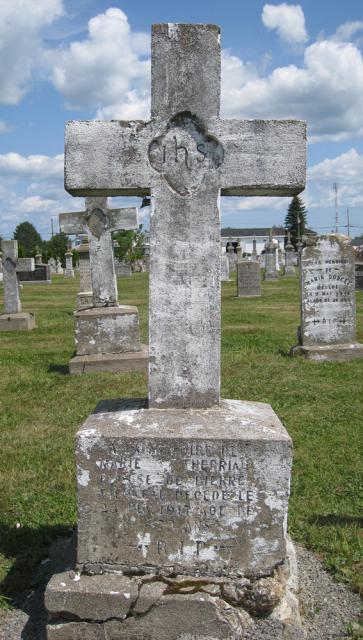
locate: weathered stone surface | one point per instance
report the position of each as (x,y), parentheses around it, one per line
(176,617)
(203,491)
(69,271)
(96,598)
(231,257)
(290,257)
(107,330)
(150,593)
(113,362)
(338,352)
(22,321)
(248,279)
(186,155)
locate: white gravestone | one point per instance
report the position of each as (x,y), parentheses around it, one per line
(271,258)
(327,330)
(224,267)
(106,334)
(14,319)
(158,480)
(69,271)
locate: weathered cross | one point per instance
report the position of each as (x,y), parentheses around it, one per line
(11,267)
(186,156)
(98,221)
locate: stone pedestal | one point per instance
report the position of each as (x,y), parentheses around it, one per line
(108,339)
(339,352)
(181,523)
(22,321)
(84,300)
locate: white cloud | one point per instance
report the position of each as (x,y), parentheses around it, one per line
(347,30)
(14,164)
(327,91)
(288,20)
(21,22)
(106,71)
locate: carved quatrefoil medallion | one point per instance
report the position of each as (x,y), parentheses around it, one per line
(185,153)
(97,222)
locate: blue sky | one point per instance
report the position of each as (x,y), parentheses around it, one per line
(74,60)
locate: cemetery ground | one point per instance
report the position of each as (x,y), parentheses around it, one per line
(41,407)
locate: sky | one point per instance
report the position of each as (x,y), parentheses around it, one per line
(65,59)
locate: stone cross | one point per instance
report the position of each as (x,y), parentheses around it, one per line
(186,156)
(12,265)
(98,221)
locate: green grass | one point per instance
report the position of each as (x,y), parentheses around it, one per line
(321,404)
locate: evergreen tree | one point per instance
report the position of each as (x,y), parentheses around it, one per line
(295,213)
(28,239)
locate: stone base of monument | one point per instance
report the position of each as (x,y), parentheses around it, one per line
(338,352)
(181,525)
(107,330)
(22,321)
(108,339)
(155,607)
(289,271)
(113,362)
(84,300)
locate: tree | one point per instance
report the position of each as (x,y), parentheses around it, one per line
(129,245)
(28,239)
(296,215)
(55,248)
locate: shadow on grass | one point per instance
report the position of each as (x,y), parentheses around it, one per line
(63,369)
(37,553)
(333,520)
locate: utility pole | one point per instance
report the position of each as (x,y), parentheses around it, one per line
(335,187)
(348,223)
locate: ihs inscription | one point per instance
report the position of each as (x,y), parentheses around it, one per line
(185,154)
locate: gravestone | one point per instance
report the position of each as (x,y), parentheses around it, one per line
(85,295)
(359,276)
(14,319)
(238,253)
(182,498)
(58,268)
(40,275)
(254,249)
(1,268)
(123,269)
(327,330)
(69,271)
(224,267)
(53,266)
(107,334)
(248,279)
(38,257)
(270,257)
(289,257)
(232,258)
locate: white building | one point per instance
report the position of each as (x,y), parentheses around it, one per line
(245,238)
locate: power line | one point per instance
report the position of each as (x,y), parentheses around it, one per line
(335,187)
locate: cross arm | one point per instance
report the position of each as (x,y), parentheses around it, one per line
(107,158)
(126,219)
(262,157)
(74,222)
(25,264)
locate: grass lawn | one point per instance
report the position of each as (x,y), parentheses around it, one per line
(41,407)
